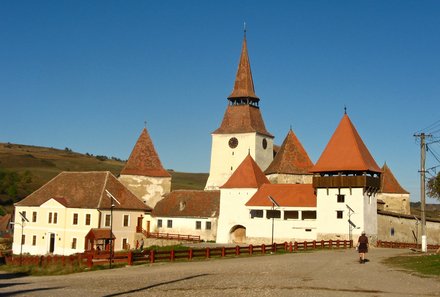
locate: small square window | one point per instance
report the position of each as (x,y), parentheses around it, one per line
(159,223)
(34,240)
(256,213)
(50,218)
(74,243)
(55,217)
(34,217)
(340,198)
(23,239)
(169,223)
(339,214)
(198,225)
(208,226)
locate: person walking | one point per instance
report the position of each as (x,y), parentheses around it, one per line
(362,247)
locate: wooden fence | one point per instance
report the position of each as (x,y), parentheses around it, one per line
(405,245)
(170,236)
(152,256)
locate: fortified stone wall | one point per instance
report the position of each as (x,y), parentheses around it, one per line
(405,228)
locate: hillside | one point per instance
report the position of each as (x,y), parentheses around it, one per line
(25,168)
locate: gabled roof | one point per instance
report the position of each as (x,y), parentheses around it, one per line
(244,84)
(144,159)
(286,195)
(99,233)
(292,158)
(389,183)
(85,190)
(188,203)
(346,151)
(242,119)
(247,175)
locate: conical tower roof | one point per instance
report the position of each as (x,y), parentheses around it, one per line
(346,152)
(244,84)
(292,158)
(389,183)
(247,175)
(144,159)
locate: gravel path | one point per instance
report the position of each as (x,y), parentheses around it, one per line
(321,273)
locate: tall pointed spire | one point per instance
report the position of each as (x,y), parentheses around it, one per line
(244,92)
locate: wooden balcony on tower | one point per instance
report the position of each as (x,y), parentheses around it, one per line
(346,181)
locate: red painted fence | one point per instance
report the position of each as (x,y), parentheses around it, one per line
(404,245)
(170,236)
(151,256)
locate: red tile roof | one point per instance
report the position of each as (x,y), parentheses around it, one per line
(144,159)
(99,233)
(292,158)
(242,119)
(5,222)
(85,190)
(287,195)
(389,183)
(247,175)
(189,203)
(346,152)
(244,84)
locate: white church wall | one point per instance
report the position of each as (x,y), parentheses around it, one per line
(233,211)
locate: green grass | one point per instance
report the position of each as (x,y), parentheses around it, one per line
(422,264)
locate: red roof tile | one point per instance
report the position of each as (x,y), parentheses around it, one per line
(188,203)
(287,195)
(244,84)
(346,152)
(144,159)
(389,183)
(84,190)
(292,158)
(247,175)
(242,119)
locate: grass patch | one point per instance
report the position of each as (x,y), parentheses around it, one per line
(423,264)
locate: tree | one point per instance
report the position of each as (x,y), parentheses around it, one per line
(433,187)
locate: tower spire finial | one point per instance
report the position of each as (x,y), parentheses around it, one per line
(145,124)
(345,109)
(244,29)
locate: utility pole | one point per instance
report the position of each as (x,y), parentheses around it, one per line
(422,187)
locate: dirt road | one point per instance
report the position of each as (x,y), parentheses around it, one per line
(321,273)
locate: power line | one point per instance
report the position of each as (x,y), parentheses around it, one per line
(430,127)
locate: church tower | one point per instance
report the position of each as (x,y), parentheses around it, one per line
(143,173)
(346,180)
(242,130)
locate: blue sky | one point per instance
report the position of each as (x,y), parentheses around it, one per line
(87,74)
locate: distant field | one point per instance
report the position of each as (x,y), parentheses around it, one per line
(28,167)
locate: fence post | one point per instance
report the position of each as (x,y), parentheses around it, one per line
(130,258)
(263,248)
(237,250)
(90,260)
(314,244)
(190,254)
(290,247)
(172,255)
(295,246)
(251,249)
(152,255)
(208,252)
(223,251)
(330,244)
(305,245)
